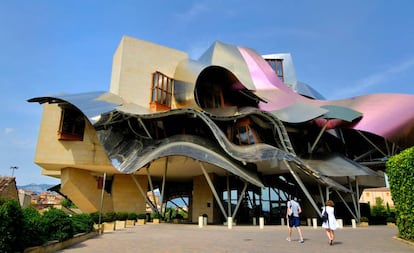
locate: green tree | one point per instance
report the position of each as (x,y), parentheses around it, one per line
(400,171)
(11,223)
(378,209)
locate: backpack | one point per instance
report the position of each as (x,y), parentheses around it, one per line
(324,217)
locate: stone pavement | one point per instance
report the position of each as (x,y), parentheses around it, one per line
(214,238)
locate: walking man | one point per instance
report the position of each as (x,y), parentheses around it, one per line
(292,215)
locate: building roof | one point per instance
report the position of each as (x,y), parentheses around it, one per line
(6,182)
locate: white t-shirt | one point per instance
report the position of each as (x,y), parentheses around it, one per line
(294,208)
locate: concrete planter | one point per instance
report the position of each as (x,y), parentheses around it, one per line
(363,224)
(120,224)
(141,221)
(390,224)
(109,226)
(130,223)
(55,245)
(176,221)
(156,221)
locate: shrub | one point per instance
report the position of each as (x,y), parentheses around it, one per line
(95,217)
(400,171)
(57,224)
(109,217)
(142,216)
(178,216)
(11,223)
(122,216)
(132,216)
(33,232)
(67,203)
(82,223)
(155,215)
(391,219)
(378,209)
(364,219)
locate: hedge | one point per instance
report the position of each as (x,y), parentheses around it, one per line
(23,228)
(400,171)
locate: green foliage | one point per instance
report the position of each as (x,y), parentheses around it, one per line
(95,217)
(400,171)
(364,219)
(22,228)
(142,216)
(378,209)
(121,215)
(155,215)
(82,223)
(11,223)
(67,203)
(57,224)
(132,216)
(33,232)
(178,216)
(109,217)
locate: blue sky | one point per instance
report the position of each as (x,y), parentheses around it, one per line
(341,48)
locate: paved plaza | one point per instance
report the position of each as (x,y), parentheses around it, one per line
(213,238)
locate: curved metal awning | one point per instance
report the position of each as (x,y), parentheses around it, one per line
(340,112)
(299,112)
(336,165)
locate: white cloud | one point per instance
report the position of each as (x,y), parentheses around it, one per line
(8,130)
(360,87)
(193,12)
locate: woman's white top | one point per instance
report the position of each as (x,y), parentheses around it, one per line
(331,223)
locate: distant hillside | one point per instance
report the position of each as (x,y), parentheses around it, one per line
(38,188)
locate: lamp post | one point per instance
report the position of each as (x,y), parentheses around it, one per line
(13,168)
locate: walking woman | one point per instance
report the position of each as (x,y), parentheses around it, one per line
(330,225)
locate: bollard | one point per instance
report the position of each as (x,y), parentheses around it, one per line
(315,222)
(340,223)
(309,222)
(353,223)
(205,221)
(261,222)
(200,221)
(229,222)
(254,221)
(282,221)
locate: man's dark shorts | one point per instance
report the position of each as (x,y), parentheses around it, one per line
(294,221)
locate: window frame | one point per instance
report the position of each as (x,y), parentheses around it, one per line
(73,118)
(277,66)
(161,89)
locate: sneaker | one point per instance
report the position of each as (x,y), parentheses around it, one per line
(301,241)
(288,239)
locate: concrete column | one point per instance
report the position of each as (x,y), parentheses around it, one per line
(254,221)
(282,221)
(205,221)
(261,222)
(200,221)
(315,222)
(309,222)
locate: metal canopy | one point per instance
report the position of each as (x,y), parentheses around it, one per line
(299,112)
(340,112)
(336,165)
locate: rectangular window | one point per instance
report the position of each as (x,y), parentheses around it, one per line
(161,91)
(72,125)
(277,66)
